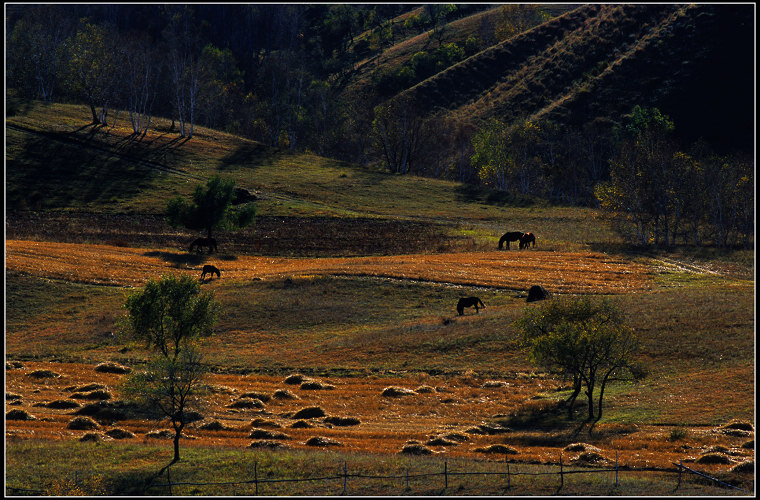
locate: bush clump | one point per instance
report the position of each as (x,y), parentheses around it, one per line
(265,434)
(714,458)
(43,374)
(117,433)
(498,448)
(415,449)
(284,394)
(295,379)
(322,441)
(342,421)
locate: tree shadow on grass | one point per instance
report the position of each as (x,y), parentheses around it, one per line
(189,259)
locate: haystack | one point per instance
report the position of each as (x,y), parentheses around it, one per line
(112,367)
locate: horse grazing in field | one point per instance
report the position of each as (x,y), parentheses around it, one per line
(511,236)
(208,268)
(210,243)
(526,239)
(469,302)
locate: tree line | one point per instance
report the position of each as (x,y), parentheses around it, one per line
(278,73)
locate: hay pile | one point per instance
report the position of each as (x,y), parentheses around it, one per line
(498,448)
(19,415)
(395,392)
(265,434)
(82,423)
(322,441)
(311,412)
(112,367)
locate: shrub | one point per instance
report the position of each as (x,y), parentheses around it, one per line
(312,412)
(111,367)
(394,392)
(19,415)
(342,421)
(677,434)
(83,423)
(43,374)
(714,458)
(322,441)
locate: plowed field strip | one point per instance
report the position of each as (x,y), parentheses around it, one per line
(560,272)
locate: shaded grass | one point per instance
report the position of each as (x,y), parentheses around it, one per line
(124,468)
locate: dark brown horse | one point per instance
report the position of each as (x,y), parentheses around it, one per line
(526,239)
(212,270)
(469,302)
(511,236)
(210,243)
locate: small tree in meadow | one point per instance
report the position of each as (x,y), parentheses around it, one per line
(170,315)
(583,339)
(211,208)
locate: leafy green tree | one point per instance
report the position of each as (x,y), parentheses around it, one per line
(211,208)
(93,70)
(170,315)
(585,340)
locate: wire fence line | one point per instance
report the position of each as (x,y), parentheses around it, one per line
(507,475)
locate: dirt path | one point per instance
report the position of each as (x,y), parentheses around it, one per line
(559,272)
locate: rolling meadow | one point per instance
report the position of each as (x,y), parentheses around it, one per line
(341,296)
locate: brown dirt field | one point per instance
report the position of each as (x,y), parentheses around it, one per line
(559,272)
(386,424)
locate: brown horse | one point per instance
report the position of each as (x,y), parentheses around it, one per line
(511,236)
(526,239)
(469,302)
(203,242)
(208,268)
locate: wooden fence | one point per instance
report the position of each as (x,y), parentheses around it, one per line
(507,475)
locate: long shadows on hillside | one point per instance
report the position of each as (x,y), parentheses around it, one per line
(50,174)
(471,193)
(178,259)
(249,155)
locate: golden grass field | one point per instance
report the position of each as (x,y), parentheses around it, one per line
(450,406)
(561,272)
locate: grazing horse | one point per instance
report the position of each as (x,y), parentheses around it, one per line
(526,239)
(469,302)
(511,236)
(203,242)
(208,268)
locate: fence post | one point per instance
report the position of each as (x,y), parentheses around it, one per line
(256,476)
(407,479)
(445,474)
(561,472)
(169,479)
(680,462)
(508,480)
(345,476)
(616,468)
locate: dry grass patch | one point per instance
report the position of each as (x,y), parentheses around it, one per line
(561,272)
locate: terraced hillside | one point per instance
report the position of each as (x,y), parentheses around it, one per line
(600,60)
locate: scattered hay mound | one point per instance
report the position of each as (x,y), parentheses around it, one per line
(112,410)
(43,374)
(741,425)
(284,394)
(490,429)
(246,403)
(415,449)
(61,404)
(736,432)
(262,422)
(295,379)
(455,436)
(12,396)
(83,424)
(10,365)
(19,415)
(98,395)
(94,436)
(311,412)
(119,433)
(267,444)
(301,424)
(441,441)
(316,385)
(396,392)
(425,389)
(581,447)
(714,458)
(537,292)
(322,441)
(342,421)
(86,388)
(265,434)
(160,434)
(716,449)
(494,383)
(218,389)
(265,398)
(214,425)
(747,467)
(498,448)
(111,367)
(749,445)
(589,457)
